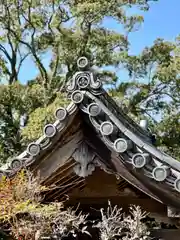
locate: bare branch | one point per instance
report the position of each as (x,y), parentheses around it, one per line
(22,58)
(2,48)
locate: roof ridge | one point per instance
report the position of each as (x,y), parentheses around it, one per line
(114,127)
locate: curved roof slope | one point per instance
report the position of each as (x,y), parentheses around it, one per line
(133,156)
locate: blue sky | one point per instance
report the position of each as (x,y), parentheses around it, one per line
(162,20)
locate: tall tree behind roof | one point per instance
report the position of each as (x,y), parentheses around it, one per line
(156,97)
(66,30)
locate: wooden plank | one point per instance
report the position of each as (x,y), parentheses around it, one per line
(62,173)
(64,193)
(50,165)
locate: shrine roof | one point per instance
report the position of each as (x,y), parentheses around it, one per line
(93,131)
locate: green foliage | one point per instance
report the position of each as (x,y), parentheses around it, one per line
(16,100)
(41,116)
(153,91)
(168,132)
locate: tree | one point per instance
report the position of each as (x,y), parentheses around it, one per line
(153,91)
(65,30)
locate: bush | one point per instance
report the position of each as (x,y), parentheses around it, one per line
(116,225)
(28,218)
